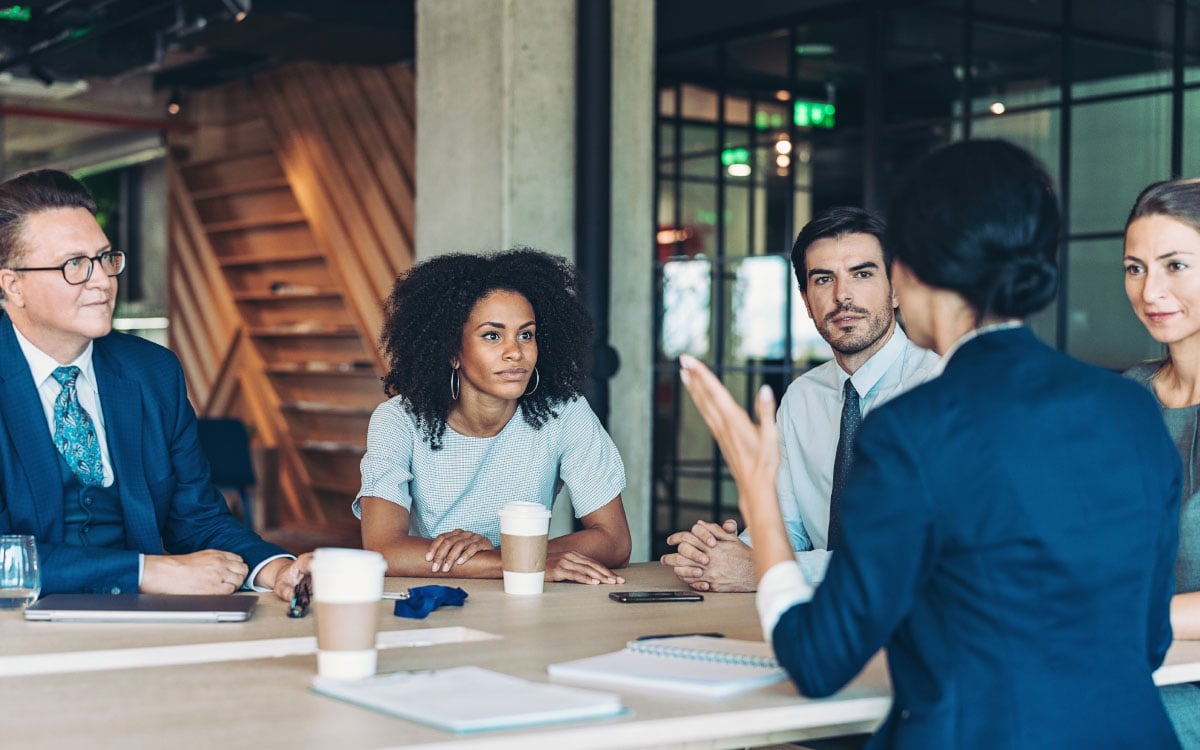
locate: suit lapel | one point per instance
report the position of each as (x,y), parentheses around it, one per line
(21,409)
(121,402)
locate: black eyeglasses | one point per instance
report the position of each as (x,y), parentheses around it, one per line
(78,270)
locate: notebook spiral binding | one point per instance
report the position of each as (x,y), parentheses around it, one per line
(699,654)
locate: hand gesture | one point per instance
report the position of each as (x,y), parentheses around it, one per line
(751,452)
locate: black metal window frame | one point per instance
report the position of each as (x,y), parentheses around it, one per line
(668,468)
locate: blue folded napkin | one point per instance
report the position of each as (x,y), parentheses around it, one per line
(424,599)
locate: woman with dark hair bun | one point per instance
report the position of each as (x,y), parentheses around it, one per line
(1009,527)
(1162,280)
(472,340)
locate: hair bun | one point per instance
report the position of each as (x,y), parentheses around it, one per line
(1022,286)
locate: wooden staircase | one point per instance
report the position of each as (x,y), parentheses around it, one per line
(273,322)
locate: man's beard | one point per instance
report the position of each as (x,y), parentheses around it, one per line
(877,326)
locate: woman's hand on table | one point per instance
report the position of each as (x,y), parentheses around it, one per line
(455,548)
(573,566)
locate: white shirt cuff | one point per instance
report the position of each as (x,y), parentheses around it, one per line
(250,585)
(141,569)
(813,563)
(781,588)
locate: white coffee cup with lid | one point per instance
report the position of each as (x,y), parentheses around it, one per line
(524,530)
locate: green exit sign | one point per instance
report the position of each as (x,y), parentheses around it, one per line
(732,156)
(814,114)
(21,13)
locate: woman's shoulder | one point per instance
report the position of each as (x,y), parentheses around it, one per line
(394,414)
(1144,372)
(573,411)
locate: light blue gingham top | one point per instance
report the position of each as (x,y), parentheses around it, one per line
(463,485)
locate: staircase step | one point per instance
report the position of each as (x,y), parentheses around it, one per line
(332,446)
(323,420)
(287,294)
(326,407)
(303,329)
(256,222)
(267,259)
(354,367)
(240,188)
(195,164)
(337,488)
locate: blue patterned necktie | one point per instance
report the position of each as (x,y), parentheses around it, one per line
(74,433)
(851,419)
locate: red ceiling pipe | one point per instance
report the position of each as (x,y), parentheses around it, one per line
(97,118)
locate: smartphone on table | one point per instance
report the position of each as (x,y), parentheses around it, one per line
(634,597)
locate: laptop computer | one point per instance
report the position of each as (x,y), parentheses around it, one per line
(142,608)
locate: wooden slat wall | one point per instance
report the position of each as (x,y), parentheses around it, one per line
(331,124)
(291,214)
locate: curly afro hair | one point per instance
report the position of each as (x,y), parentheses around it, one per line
(429,306)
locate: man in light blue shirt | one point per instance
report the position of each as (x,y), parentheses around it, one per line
(843,278)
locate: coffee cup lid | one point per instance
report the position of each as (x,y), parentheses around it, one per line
(524,509)
(348,554)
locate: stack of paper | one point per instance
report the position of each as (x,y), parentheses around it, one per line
(471,699)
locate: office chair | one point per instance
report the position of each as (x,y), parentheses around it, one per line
(227,446)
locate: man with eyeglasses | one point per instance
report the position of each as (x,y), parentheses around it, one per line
(99,457)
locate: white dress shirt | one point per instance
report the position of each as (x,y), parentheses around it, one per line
(810,418)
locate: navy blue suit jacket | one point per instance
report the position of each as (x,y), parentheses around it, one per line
(1009,537)
(168,502)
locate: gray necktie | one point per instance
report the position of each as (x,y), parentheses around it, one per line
(851,419)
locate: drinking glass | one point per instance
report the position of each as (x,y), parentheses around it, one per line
(20,578)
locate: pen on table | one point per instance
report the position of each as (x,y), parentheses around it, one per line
(678,635)
(301,597)
(396,595)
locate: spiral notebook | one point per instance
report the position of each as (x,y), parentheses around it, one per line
(700,665)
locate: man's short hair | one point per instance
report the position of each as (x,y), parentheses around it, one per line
(31,193)
(835,222)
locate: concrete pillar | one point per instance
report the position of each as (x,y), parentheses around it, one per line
(495,125)
(632,232)
(496,168)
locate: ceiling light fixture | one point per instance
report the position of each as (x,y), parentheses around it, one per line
(174,103)
(239,8)
(998,108)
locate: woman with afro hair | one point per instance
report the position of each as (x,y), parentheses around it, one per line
(487,355)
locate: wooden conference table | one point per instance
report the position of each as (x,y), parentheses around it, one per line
(65,685)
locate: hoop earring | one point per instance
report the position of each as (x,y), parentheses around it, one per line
(455,386)
(537,380)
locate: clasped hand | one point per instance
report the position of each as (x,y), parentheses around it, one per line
(455,548)
(711,557)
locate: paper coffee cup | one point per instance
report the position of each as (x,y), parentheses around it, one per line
(347,587)
(523,533)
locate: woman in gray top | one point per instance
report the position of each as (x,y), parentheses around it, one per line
(487,355)
(1162,280)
